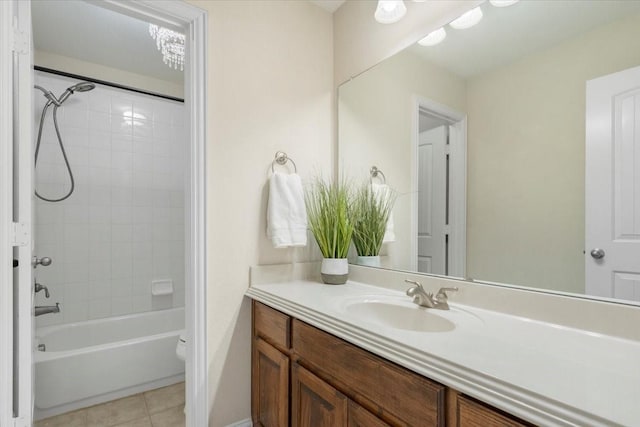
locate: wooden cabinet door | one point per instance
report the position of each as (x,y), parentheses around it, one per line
(360,417)
(269,386)
(315,403)
(475,414)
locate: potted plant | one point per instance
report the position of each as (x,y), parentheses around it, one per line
(329,214)
(371,212)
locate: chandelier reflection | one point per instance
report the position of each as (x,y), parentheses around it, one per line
(171,44)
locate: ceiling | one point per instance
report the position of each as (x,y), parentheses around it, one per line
(328,5)
(91,33)
(82,30)
(78,29)
(507,34)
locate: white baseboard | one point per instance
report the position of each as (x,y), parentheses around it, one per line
(242,423)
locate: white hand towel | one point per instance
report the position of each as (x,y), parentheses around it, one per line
(383,190)
(286,212)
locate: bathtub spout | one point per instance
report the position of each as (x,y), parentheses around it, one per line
(44,309)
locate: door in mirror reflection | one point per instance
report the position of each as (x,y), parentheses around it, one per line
(613,186)
(432,199)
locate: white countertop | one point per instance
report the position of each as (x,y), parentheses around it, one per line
(544,373)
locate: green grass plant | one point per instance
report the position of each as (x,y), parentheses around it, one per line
(329,214)
(371,212)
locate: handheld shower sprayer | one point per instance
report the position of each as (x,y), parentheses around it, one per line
(79,87)
(57,102)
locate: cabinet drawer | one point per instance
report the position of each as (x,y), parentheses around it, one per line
(474,414)
(272,326)
(401,396)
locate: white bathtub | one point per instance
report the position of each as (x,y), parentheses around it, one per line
(98,360)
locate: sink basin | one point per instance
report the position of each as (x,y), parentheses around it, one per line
(400,316)
(399,312)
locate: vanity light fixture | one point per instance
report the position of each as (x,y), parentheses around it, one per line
(467,20)
(171,44)
(433,38)
(390,11)
(503,3)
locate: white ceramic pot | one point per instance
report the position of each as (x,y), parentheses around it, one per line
(335,271)
(369,261)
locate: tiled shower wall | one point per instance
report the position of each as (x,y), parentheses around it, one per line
(123,227)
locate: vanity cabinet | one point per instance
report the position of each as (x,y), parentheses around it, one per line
(305,377)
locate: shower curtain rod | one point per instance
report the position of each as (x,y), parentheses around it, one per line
(105,83)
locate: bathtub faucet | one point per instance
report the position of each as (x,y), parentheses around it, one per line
(44,309)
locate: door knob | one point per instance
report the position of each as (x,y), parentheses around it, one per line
(597,253)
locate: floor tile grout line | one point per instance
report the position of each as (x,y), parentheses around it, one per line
(146,405)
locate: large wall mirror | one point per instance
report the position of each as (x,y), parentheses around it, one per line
(514,146)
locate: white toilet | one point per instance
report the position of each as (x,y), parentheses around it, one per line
(181,348)
(181,351)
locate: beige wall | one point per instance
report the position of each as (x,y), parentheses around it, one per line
(270,88)
(375,112)
(108,74)
(526,160)
(360,42)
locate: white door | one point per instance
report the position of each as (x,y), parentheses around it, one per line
(612,199)
(432,200)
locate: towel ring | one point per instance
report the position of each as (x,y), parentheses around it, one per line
(374,172)
(282,159)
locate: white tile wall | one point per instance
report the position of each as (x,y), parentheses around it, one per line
(124,225)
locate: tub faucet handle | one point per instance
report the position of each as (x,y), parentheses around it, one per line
(39,287)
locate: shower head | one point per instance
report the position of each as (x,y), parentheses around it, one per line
(78,87)
(82,87)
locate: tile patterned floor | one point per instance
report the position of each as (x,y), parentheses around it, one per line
(162,407)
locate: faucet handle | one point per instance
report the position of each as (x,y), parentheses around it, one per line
(39,287)
(413,282)
(442,293)
(416,288)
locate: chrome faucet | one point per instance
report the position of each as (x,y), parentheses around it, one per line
(44,309)
(426,299)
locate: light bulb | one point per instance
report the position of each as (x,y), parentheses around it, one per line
(467,20)
(503,3)
(433,38)
(390,11)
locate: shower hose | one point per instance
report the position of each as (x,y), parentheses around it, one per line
(64,153)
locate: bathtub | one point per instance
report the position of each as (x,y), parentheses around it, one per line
(99,360)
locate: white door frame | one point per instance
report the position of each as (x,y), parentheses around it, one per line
(457,182)
(175,14)
(6,217)
(16,124)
